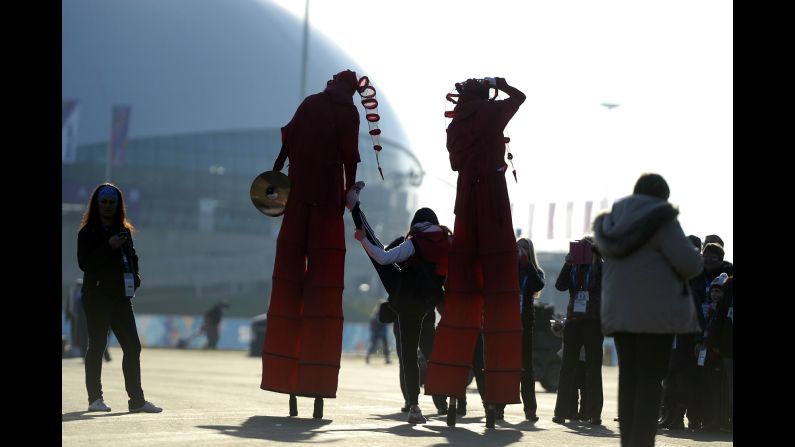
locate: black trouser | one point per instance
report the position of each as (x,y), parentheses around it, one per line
(528,383)
(375,337)
(694,387)
(675,395)
(116,313)
(679,390)
(427,332)
(713,404)
(577,334)
(642,365)
(728,370)
(408,322)
(408,326)
(212,336)
(579,394)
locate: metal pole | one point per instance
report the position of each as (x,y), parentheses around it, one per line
(304,52)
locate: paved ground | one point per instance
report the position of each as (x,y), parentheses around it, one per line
(213,398)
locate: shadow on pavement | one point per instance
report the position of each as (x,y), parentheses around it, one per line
(585,429)
(275,428)
(86,415)
(288,429)
(699,435)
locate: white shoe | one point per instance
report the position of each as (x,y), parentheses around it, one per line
(98,405)
(353,194)
(147,407)
(415,415)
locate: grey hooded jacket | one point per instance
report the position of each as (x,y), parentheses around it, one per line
(648,261)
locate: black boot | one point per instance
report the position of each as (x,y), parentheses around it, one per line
(530,416)
(293,405)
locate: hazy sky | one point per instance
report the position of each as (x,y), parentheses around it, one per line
(668,64)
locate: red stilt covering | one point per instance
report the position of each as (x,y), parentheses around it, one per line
(481,292)
(303,339)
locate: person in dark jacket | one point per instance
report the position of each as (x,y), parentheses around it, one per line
(107,257)
(681,393)
(582,328)
(531,281)
(709,358)
(648,261)
(697,377)
(377,335)
(722,338)
(427,242)
(212,323)
(303,340)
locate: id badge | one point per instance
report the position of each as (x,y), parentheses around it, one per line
(730,314)
(581,301)
(129,285)
(702,355)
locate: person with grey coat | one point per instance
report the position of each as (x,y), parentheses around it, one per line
(646,298)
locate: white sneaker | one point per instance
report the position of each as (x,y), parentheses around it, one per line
(98,405)
(415,415)
(147,407)
(353,194)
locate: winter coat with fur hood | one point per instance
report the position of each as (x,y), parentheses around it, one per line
(648,262)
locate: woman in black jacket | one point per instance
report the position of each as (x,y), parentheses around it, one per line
(531,281)
(412,270)
(582,328)
(106,255)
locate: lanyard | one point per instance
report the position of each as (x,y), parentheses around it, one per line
(587,277)
(126,264)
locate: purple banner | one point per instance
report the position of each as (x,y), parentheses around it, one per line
(118,137)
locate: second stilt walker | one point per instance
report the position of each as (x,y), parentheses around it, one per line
(482,291)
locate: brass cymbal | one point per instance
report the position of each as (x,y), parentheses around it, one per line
(269,192)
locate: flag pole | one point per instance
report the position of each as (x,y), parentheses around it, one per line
(304,52)
(107,160)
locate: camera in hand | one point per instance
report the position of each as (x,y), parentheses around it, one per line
(581,251)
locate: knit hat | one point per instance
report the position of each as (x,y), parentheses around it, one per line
(713,238)
(719,280)
(713,248)
(425,215)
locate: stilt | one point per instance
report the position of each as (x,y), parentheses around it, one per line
(451,412)
(490,416)
(318,413)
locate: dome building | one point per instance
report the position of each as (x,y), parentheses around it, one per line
(209,84)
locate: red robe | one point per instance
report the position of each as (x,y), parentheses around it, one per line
(303,340)
(481,293)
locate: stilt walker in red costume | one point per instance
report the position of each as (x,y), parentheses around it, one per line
(303,340)
(482,284)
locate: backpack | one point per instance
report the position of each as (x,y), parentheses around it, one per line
(419,285)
